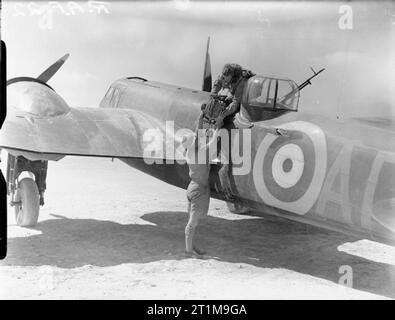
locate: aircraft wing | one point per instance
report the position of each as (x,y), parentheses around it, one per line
(101,132)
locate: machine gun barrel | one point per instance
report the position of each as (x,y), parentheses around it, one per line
(304,84)
(308,81)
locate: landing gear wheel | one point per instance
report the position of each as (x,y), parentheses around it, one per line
(237,208)
(27,205)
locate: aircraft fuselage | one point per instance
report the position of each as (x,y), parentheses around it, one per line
(338,174)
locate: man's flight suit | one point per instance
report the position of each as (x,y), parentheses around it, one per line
(235,89)
(233,79)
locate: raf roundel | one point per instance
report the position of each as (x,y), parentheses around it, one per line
(289,170)
(288,165)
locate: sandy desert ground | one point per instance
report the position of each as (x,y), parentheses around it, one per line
(108,231)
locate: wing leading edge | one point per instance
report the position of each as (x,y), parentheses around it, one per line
(99,132)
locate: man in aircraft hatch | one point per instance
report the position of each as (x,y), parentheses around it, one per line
(231,82)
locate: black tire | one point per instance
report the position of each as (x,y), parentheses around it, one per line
(237,208)
(27,211)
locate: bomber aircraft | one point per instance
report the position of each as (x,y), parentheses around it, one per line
(331,173)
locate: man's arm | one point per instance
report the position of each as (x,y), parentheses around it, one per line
(217,86)
(236,101)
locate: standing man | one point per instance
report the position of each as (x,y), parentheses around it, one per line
(198,192)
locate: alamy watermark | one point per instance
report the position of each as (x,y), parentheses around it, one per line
(346,278)
(345,21)
(198,147)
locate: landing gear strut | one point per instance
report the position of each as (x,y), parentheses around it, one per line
(26,184)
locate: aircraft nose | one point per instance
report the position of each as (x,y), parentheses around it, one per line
(36,99)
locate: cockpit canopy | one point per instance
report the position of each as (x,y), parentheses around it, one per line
(264,94)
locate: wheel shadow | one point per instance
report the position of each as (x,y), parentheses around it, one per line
(268,242)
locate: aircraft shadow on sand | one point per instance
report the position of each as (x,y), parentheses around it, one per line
(268,242)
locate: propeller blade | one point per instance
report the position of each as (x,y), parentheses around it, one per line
(49,73)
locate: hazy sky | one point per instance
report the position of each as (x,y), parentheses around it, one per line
(166,42)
